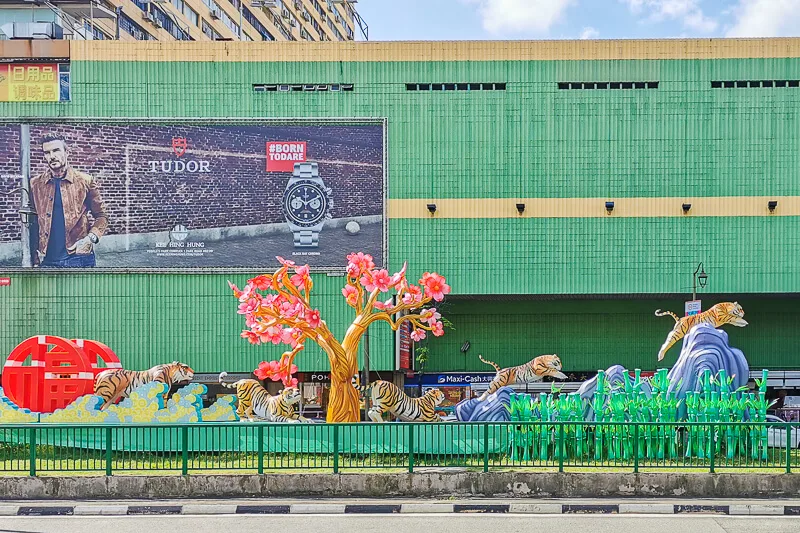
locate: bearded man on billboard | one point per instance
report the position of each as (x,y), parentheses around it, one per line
(63,197)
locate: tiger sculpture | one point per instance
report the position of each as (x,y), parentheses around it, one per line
(722,313)
(116,383)
(255,400)
(388,397)
(530,372)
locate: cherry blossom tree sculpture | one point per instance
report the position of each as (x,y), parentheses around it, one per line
(278,310)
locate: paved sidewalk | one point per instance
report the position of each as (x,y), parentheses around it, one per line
(404,506)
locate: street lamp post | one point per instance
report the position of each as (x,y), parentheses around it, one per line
(702,277)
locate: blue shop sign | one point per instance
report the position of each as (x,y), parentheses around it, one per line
(451,380)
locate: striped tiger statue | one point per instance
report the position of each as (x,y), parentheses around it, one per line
(722,313)
(388,397)
(116,383)
(255,400)
(530,372)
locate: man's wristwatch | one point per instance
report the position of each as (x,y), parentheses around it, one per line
(306,204)
(93,238)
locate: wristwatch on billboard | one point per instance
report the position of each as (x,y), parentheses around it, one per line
(306,204)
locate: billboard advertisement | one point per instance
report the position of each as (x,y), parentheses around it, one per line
(191,196)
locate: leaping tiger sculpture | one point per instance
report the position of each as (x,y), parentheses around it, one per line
(718,315)
(388,397)
(117,383)
(530,372)
(255,400)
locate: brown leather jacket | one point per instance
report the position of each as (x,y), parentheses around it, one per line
(79,196)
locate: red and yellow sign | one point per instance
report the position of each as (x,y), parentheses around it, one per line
(29,82)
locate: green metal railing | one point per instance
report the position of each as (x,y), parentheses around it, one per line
(257,447)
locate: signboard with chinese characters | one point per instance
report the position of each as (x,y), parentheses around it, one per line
(34,82)
(692,307)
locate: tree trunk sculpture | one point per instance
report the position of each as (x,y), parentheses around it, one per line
(283,314)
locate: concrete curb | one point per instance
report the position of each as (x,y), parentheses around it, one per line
(531,485)
(405,508)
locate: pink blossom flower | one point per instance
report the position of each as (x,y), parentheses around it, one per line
(352,270)
(262,283)
(398,277)
(250,336)
(367,281)
(235,289)
(413,296)
(350,294)
(381,280)
(301,277)
(362,261)
(249,307)
(285,262)
(438,329)
(313,318)
(272,334)
(418,335)
(435,286)
(246,293)
(430,316)
(384,306)
(291,336)
(290,382)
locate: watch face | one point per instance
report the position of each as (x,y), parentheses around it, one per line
(305,203)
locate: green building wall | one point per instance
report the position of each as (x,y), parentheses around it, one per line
(532,140)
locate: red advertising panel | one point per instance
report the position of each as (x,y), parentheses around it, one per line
(404,332)
(5,282)
(281,156)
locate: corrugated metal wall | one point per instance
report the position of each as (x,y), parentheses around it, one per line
(156,318)
(531,141)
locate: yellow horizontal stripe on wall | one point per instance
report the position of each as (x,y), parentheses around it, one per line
(166,51)
(724,206)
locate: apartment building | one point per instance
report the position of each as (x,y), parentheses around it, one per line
(182,20)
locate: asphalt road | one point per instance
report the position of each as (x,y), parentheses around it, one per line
(404,524)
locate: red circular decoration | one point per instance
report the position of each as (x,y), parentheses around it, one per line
(59,371)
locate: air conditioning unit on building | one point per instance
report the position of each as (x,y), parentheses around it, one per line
(33,30)
(149,17)
(285,14)
(298,4)
(293,23)
(215,14)
(306,16)
(157,23)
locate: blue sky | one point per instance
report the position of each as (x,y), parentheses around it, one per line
(406,20)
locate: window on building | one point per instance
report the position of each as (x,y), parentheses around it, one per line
(95,32)
(606,85)
(455,86)
(190,14)
(755,84)
(210,32)
(137,32)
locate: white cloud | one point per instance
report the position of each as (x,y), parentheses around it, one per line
(516,16)
(589,33)
(766,18)
(688,12)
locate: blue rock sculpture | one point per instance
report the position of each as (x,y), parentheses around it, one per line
(615,377)
(706,348)
(495,408)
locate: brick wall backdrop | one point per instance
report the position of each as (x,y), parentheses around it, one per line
(237,192)
(9,167)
